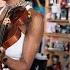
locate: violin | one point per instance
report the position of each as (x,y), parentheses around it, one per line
(18,15)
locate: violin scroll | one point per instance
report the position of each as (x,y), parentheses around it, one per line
(19,15)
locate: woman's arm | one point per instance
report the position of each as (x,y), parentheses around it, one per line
(33,39)
(31,45)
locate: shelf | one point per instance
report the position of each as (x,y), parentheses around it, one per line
(58,36)
(56,50)
(60,21)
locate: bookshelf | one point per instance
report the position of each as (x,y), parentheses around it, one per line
(58,21)
(65,37)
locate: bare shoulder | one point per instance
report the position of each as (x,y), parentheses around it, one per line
(38,17)
(37,24)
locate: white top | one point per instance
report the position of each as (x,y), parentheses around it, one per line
(15,50)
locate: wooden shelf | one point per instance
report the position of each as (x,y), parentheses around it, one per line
(55,50)
(60,21)
(58,36)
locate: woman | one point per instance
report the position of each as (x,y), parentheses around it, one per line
(30,45)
